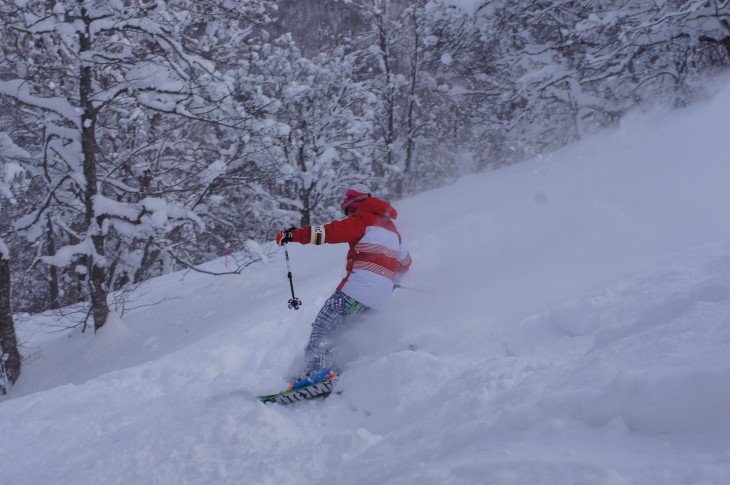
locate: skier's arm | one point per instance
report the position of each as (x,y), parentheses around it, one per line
(349,229)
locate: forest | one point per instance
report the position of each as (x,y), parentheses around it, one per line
(140,137)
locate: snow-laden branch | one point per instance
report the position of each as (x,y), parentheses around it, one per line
(19,90)
(147,216)
(66,255)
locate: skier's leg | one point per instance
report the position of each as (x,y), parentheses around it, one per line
(338,307)
(319,349)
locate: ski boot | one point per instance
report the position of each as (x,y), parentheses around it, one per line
(312,377)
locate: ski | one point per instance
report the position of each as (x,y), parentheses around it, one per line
(320,389)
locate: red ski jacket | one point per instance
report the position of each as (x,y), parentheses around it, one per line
(378,258)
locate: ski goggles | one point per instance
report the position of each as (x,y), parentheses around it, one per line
(349,201)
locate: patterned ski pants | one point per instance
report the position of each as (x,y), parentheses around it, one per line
(331,318)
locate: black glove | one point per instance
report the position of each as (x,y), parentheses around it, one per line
(284,236)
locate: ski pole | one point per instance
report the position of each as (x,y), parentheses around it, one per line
(410,288)
(295,302)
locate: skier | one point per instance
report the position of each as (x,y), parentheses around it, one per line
(376,262)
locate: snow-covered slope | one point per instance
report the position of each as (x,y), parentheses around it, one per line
(567,322)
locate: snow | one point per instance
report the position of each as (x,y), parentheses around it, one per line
(255,249)
(565,321)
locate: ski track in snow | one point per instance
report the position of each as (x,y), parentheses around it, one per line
(569,324)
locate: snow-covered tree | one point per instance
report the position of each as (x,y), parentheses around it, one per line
(325,119)
(381,68)
(124,90)
(403,63)
(10,170)
(554,70)
(434,121)
(649,50)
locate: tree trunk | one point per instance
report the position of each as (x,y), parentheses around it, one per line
(8,342)
(306,192)
(53,286)
(390,94)
(97,272)
(410,120)
(149,257)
